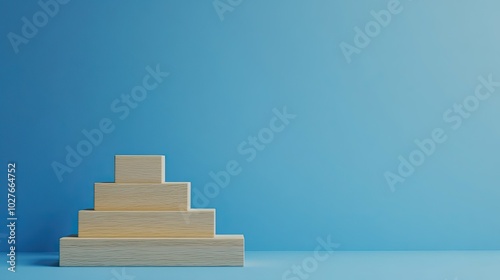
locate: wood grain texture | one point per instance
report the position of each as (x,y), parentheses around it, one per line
(171,196)
(222,250)
(139,169)
(192,223)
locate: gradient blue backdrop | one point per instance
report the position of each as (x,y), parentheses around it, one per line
(324,174)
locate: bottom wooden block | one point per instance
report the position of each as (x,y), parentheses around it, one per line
(222,250)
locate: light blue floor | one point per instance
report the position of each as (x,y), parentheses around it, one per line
(470,265)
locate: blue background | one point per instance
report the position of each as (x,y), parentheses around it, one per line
(324,174)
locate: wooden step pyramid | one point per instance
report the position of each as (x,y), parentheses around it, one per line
(141,220)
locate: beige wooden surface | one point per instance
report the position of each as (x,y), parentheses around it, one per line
(192,223)
(170,196)
(139,169)
(223,250)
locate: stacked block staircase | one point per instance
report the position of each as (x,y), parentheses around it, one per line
(141,220)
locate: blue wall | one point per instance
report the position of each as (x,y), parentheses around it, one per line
(324,172)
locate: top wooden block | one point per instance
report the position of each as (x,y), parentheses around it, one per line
(139,169)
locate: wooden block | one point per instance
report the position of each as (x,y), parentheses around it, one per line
(139,169)
(142,197)
(192,223)
(222,250)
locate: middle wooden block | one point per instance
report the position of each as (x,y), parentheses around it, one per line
(172,196)
(144,224)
